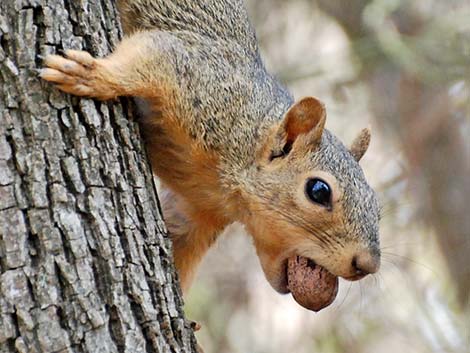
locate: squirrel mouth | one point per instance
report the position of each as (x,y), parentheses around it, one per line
(311,285)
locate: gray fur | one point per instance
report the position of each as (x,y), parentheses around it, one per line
(360,203)
(213,57)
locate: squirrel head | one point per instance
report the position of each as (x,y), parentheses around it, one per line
(308,196)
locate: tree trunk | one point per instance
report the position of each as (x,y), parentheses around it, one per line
(85,262)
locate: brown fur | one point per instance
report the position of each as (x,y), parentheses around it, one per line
(227,140)
(360,144)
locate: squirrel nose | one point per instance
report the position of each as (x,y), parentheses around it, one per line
(364,263)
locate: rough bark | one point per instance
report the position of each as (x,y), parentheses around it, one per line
(85,263)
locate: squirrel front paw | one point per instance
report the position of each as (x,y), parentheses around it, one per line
(77,73)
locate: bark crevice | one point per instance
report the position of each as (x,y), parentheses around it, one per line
(85,261)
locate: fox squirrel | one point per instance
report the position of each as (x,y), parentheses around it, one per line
(229,144)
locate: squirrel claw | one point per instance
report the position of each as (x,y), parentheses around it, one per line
(67,66)
(195,325)
(78,72)
(82,57)
(66,83)
(74,74)
(56,76)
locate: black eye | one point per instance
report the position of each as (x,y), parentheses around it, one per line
(319,192)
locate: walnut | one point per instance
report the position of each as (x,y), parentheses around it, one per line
(311,285)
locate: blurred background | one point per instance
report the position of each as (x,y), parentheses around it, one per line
(402,67)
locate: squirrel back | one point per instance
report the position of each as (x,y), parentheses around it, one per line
(230,144)
(220,62)
(227,20)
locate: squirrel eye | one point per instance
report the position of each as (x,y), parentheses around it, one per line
(319,192)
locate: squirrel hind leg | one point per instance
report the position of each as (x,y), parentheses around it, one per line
(190,239)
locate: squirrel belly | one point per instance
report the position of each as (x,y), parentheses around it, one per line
(230,144)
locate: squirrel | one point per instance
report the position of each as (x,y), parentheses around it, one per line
(229,143)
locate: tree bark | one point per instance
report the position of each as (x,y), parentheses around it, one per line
(85,262)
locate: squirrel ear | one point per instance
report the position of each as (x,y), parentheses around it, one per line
(360,144)
(306,116)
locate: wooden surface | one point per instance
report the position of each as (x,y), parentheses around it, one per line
(85,263)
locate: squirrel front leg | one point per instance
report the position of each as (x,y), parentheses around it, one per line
(191,239)
(138,67)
